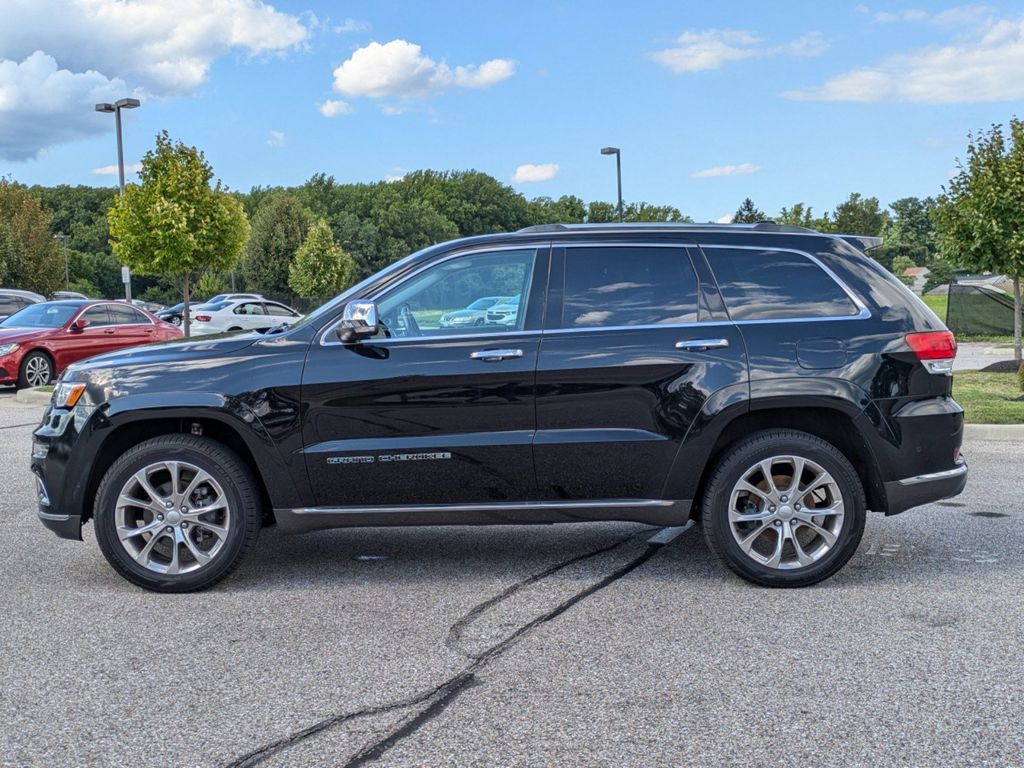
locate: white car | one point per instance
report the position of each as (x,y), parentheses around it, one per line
(240,315)
(224,297)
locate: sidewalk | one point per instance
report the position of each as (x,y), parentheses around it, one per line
(975,355)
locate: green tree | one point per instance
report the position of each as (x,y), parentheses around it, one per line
(799,215)
(911,225)
(859,215)
(210,284)
(567,209)
(939,273)
(900,265)
(321,267)
(748,213)
(979,218)
(278,230)
(174,223)
(29,256)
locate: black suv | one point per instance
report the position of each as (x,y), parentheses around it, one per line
(773,381)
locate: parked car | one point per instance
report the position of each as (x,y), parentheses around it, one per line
(474,314)
(59,295)
(173,314)
(772,382)
(504,314)
(240,315)
(13,300)
(149,306)
(40,341)
(221,297)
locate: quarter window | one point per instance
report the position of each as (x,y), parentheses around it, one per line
(629,285)
(278,311)
(776,285)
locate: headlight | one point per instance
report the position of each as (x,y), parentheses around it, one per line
(67,394)
(6,349)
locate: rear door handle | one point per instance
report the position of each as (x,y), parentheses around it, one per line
(494,355)
(699,345)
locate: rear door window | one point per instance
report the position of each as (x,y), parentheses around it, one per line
(612,286)
(125,315)
(762,284)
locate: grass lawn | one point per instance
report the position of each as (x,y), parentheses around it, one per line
(937,304)
(989,398)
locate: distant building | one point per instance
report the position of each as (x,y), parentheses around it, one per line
(919,275)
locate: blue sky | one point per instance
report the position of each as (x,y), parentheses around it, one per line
(710,102)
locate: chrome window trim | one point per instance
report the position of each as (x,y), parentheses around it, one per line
(863,311)
(328,332)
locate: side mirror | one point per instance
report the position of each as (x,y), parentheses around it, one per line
(79,325)
(358,321)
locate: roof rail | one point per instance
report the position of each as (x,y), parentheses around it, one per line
(761,226)
(864,242)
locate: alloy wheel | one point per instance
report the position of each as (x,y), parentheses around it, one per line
(786,512)
(172,517)
(37,371)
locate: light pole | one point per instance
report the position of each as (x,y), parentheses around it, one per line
(63,240)
(116,108)
(618,171)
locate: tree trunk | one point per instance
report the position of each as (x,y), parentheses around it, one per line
(186,316)
(1017,318)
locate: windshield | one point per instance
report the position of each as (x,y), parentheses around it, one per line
(41,316)
(483,303)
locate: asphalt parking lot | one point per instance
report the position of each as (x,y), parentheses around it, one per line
(533,646)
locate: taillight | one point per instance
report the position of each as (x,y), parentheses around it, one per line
(203,318)
(936,349)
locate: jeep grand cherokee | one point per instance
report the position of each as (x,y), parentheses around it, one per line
(772,381)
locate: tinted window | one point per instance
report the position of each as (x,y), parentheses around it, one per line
(96,316)
(776,285)
(278,311)
(9,305)
(628,286)
(125,315)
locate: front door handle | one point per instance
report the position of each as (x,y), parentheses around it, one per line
(494,355)
(699,345)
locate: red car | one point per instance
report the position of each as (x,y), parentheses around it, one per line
(38,342)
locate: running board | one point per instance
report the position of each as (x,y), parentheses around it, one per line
(652,511)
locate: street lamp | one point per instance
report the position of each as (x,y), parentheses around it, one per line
(116,108)
(618,171)
(61,238)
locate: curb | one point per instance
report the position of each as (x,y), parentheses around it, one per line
(32,396)
(995,433)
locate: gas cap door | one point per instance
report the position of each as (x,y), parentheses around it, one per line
(821,353)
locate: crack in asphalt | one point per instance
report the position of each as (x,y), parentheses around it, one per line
(16,426)
(439,697)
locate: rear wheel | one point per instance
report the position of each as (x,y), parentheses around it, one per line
(177,513)
(784,509)
(36,370)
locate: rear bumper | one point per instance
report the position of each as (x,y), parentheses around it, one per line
(924,489)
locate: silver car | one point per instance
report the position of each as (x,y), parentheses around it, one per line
(474,314)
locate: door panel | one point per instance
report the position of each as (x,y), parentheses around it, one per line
(615,402)
(431,415)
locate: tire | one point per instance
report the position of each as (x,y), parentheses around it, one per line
(175,320)
(745,528)
(223,535)
(36,370)
(232,330)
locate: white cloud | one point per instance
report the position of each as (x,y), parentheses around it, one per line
(276,139)
(984,67)
(351,25)
(60,57)
(528,173)
(961,15)
(711,48)
(909,14)
(391,110)
(727,219)
(741,169)
(399,68)
(111,170)
(335,107)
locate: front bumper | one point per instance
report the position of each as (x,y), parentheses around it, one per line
(925,489)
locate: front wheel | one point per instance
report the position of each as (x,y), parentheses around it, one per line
(784,509)
(177,513)
(36,370)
